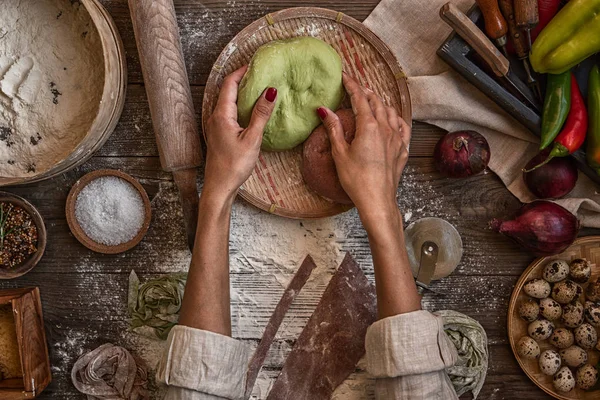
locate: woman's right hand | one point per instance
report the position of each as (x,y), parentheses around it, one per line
(371,166)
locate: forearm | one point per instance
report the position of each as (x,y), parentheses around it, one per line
(395,286)
(206,303)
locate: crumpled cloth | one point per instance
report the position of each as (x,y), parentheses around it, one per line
(110,373)
(414,31)
(470,340)
(154,306)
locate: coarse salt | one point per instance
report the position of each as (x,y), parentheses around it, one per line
(110,210)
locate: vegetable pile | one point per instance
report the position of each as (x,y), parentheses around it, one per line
(568,36)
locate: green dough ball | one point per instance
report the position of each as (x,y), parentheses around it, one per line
(307,74)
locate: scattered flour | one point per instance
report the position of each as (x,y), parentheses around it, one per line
(269,244)
(51,82)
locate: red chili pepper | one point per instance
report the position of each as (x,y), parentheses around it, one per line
(572,135)
(547,11)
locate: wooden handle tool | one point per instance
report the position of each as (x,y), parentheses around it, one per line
(170,99)
(495,24)
(486,49)
(476,38)
(520,43)
(527,16)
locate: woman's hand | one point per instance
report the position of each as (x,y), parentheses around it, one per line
(370,168)
(232,150)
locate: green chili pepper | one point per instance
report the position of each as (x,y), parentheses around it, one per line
(593,144)
(572,36)
(556,106)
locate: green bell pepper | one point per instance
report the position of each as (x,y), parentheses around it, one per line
(593,138)
(556,106)
(572,36)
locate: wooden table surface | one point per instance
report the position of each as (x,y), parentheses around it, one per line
(84,294)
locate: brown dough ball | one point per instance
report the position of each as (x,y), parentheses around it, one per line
(318,167)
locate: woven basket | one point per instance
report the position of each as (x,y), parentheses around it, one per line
(276,185)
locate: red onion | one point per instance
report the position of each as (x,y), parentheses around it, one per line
(461,154)
(542,227)
(553,180)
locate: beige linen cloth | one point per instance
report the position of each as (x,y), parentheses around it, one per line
(414,31)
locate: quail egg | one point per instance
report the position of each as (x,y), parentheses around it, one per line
(586,336)
(540,329)
(550,362)
(555,271)
(564,380)
(572,315)
(580,270)
(592,313)
(528,348)
(574,356)
(565,291)
(593,290)
(550,309)
(537,288)
(586,376)
(562,338)
(529,310)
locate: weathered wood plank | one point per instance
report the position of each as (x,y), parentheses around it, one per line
(84,294)
(206,27)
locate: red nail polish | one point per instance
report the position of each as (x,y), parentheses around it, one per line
(322,112)
(271,94)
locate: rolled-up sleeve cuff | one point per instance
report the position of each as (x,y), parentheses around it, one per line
(408,344)
(205,362)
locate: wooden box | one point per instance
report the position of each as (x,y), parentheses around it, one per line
(31,341)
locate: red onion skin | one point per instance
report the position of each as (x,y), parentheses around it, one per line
(553,180)
(461,154)
(542,227)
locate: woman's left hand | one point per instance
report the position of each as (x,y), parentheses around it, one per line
(232,150)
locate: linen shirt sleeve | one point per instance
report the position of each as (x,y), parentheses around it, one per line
(408,354)
(203,365)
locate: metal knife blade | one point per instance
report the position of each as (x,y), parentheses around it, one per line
(429,257)
(523,89)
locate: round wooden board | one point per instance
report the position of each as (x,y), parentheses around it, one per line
(588,248)
(276,185)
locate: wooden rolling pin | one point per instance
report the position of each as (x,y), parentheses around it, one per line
(170,99)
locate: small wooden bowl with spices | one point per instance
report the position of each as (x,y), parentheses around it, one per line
(22,236)
(108,211)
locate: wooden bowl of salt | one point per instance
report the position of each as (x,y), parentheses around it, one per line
(108,211)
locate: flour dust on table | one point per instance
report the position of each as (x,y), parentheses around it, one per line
(51,82)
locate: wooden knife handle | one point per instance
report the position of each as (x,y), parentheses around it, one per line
(167,85)
(519,40)
(495,24)
(475,37)
(527,14)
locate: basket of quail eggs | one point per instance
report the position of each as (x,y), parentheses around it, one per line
(553,320)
